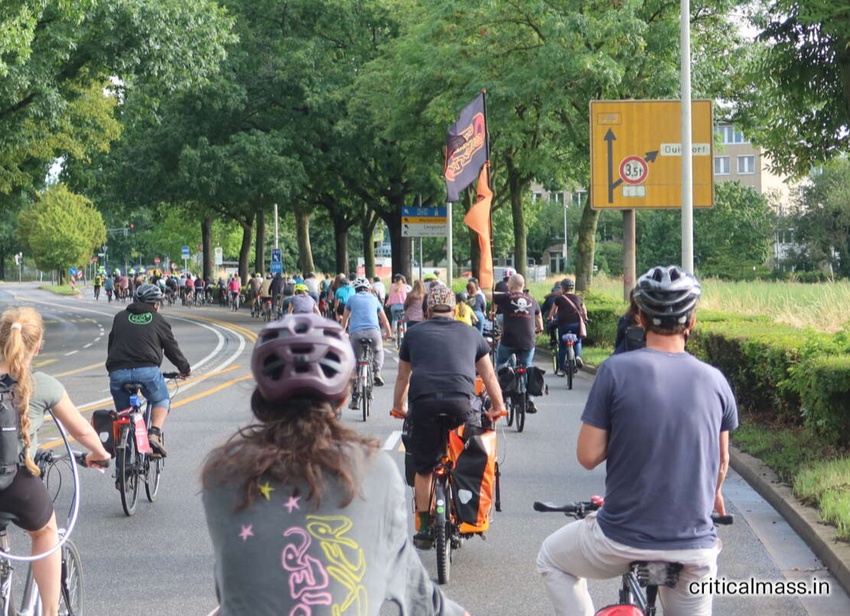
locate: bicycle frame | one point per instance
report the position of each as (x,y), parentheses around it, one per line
(365,376)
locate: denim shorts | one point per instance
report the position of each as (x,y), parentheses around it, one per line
(153,386)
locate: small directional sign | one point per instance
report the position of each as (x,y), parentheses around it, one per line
(636,154)
(276,266)
(424,222)
(185,252)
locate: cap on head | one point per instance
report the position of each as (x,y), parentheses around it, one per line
(440,299)
(667,294)
(302,356)
(567,284)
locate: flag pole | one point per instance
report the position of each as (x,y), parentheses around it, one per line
(489,185)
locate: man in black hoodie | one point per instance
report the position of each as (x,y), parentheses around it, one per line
(139,337)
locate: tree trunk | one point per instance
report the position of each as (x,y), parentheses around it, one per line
(260,244)
(206,243)
(367,227)
(520,245)
(302,234)
(586,246)
(341,241)
(245,251)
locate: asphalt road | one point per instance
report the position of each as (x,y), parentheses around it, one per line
(159,561)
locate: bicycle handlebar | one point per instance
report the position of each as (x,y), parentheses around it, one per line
(580,509)
(46,457)
(173,375)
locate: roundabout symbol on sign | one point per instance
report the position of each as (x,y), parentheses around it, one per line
(634,170)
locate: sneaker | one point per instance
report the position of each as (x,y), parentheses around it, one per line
(379,379)
(156,444)
(423,540)
(530,408)
(579,362)
(355,402)
(560,373)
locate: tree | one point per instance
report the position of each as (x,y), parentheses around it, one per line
(793,95)
(61,229)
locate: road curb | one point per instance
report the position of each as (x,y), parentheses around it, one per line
(820,537)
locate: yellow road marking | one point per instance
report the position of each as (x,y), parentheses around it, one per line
(43,362)
(83,369)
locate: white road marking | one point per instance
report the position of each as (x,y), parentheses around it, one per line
(392,440)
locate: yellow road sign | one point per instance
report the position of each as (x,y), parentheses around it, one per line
(636,154)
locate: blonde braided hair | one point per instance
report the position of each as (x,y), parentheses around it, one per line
(21,332)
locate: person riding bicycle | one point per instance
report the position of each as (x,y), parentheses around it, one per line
(660,420)
(27,498)
(302,302)
(567,311)
(305,514)
(364,317)
(438,360)
(139,337)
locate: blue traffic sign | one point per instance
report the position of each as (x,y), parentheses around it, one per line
(277,262)
(425,212)
(185,252)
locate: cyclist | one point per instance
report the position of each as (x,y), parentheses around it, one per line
(302,302)
(478,303)
(660,420)
(97,283)
(395,300)
(342,292)
(567,310)
(501,288)
(438,360)
(413,305)
(27,498)
(300,489)
(235,288)
(108,287)
(364,317)
(139,337)
(255,286)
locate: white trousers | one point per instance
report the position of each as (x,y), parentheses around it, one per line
(581,550)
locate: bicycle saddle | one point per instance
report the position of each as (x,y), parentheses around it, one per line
(131,388)
(365,342)
(657,573)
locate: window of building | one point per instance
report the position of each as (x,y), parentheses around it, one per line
(722,165)
(728,135)
(746,165)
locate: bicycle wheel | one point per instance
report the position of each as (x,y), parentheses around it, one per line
(571,365)
(522,403)
(442,533)
(126,472)
(554,358)
(364,392)
(71,598)
(153,473)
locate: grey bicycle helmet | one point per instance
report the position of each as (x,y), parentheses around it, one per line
(567,284)
(147,294)
(302,356)
(361,283)
(667,294)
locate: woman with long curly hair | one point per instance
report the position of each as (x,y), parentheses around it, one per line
(21,339)
(303,511)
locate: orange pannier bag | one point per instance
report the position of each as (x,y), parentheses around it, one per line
(473,452)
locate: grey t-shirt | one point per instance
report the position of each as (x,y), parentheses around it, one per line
(664,413)
(282,553)
(442,353)
(47,392)
(302,304)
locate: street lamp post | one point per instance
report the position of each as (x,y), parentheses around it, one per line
(565,231)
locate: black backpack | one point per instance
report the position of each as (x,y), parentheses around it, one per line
(10,427)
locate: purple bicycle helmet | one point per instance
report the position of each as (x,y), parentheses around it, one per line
(302,355)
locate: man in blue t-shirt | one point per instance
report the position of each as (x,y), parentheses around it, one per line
(364,317)
(660,420)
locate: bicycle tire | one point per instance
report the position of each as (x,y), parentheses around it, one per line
(571,366)
(126,473)
(71,597)
(153,474)
(442,534)
(520,411)
(554,359)
(364,395)
(510,404)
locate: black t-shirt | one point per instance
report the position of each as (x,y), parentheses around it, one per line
(501,286)
(442,354)
(519,310)
(567,314)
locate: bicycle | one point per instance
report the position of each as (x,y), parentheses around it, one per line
(649,575)
(554,350)
(492,335)
(71,580)
(570,365)
(235,296)
(400,331)
(517,400)
(267,309)
(365,383)
(133,459)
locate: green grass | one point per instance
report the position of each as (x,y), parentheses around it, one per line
(826,485)
(785,450)
(58,289)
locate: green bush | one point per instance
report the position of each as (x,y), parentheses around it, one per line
(824,385)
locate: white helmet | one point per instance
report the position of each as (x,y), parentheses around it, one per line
(362,283)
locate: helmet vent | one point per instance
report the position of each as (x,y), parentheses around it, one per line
(273,367)
(301,328)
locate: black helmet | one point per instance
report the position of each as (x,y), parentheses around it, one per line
(567,284)
(667,294)
(147,294)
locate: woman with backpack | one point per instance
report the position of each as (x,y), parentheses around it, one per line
(32,394)
(303,511)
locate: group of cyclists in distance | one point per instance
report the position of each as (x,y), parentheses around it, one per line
(343,531)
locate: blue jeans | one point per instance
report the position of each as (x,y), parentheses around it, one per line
(572,328)
(503,355)
(396,312)
(153,386)
(480,316)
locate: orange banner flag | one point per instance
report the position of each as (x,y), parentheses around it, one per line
(478,219)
